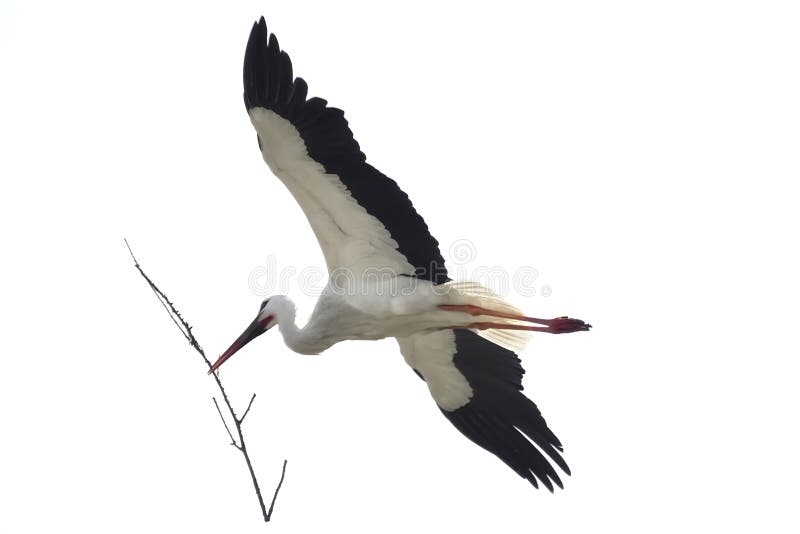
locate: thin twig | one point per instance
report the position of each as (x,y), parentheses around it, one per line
(275,495)
(241,419)
(186,330)
(233,441)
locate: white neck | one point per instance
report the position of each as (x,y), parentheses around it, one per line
(300,340)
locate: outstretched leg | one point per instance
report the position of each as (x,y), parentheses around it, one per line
(559,325)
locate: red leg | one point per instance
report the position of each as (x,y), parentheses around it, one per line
(559,325)
(477,310)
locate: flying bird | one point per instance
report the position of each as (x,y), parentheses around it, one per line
(387,277)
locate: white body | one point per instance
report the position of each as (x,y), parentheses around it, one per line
(395,307)
(422,330)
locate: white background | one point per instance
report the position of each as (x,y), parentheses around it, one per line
(643,157)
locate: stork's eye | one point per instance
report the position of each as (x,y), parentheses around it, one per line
(263,304)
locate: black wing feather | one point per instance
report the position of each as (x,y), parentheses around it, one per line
(498,417)
(268,84)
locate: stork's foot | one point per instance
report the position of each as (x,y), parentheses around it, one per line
(566,325)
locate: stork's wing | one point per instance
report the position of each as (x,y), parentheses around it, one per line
(478,387)
(361,218)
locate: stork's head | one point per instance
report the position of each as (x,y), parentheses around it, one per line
(265,320)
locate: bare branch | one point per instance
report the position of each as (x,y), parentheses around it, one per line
(186,330)
(173,313)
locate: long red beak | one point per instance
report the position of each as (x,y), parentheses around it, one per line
(255,329)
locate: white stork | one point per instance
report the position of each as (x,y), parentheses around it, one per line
(387,276)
